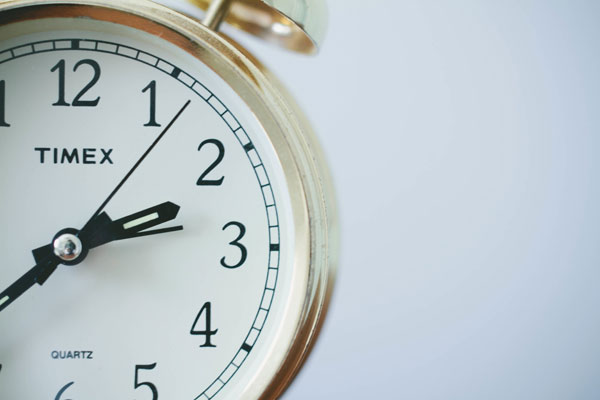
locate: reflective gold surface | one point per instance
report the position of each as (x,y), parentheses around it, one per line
(297,25)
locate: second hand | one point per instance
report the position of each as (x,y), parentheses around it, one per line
(137,164)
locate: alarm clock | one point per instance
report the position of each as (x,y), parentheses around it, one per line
(168,220)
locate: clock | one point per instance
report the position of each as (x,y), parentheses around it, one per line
(168,221)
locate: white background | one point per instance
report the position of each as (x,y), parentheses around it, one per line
(463,137)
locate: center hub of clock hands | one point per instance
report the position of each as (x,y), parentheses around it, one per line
(67,247)
(71,246)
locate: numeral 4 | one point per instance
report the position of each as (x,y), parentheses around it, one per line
(207,332)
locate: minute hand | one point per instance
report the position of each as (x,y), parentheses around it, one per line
(137,164)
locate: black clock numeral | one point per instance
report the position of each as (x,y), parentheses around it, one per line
(3,104)
(61,83)
(152,88)
(77,101)
(150,385)
(236,243)
(212,182)
(62,391)
(207,332)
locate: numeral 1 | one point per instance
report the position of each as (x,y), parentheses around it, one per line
(2,103)
(61,83)
(207,332)
(152,87)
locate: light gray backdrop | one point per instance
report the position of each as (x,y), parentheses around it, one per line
(464,139)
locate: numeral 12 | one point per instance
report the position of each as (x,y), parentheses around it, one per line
(77,101)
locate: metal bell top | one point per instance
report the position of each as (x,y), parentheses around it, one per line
(297,25)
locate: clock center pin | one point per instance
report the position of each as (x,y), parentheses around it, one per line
(67,247)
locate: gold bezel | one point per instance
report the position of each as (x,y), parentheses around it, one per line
(307,177)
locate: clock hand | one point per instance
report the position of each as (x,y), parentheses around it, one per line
(103,230)
(153,232)
(37,274)
(99,227)
(71,247)
(137,164)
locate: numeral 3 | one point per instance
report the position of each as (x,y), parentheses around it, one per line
(236,243)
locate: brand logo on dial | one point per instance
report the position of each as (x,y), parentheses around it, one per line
(55,155)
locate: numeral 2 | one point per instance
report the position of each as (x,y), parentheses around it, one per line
(2,103)
(207,332)
(212,182)
(77,102)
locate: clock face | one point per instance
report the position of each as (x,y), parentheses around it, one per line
(192,309)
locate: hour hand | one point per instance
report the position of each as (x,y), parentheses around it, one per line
(102,229)
(98,231)
(37,274)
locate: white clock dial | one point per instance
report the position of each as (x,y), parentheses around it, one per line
(179,314)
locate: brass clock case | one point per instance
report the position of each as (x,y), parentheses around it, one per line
(307,176)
